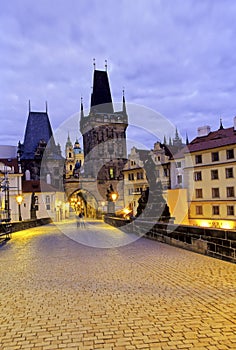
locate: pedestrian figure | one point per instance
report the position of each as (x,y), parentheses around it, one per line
(82,221)
(78,220)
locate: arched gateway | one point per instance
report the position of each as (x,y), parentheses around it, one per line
(84,201)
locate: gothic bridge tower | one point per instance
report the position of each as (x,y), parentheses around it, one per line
(104,138)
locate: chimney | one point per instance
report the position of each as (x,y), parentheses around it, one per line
(234,123)
(203,130)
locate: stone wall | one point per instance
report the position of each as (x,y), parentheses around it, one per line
(23,225)
(216,243)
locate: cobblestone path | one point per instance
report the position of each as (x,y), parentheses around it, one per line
(58,294)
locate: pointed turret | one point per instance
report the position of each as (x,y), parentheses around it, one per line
(101,100)
(176,133)
(164,141)
(81,109)
(77,144)
(38,129)
(187,141)
(68,142)
(124,105)
(221,125)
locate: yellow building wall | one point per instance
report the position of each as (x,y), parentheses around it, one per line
(178,204)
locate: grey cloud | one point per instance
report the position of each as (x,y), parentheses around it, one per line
(177,58)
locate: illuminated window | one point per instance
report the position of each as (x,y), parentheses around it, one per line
(230,210)
(229,173)
(198,193)
(230,191)
(111,173)
(199,210)
(215,210)
(215,192)
(214,175)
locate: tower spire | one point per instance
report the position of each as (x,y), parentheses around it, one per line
(187,141)
(106,65)
(123,100)
(94,63)
(46,105)
(176,133)
(81,108)
(29,106)
(221,125)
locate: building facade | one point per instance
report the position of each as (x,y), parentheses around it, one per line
(210,167)
(135,180)
(10,188)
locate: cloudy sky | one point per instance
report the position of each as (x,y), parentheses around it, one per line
(177,58)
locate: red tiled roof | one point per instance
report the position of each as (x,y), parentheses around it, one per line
(37,186)
(219,138)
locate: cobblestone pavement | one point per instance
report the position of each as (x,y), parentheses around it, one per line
(59,294)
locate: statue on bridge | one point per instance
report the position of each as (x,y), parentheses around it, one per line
(151,203)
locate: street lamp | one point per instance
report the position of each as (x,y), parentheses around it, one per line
(19,200)
(111,198)
(114,196)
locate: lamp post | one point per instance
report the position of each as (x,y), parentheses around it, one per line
(19,200)
(111,198)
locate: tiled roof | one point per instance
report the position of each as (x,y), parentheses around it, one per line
(38,128)
(219,138)
(37,186)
